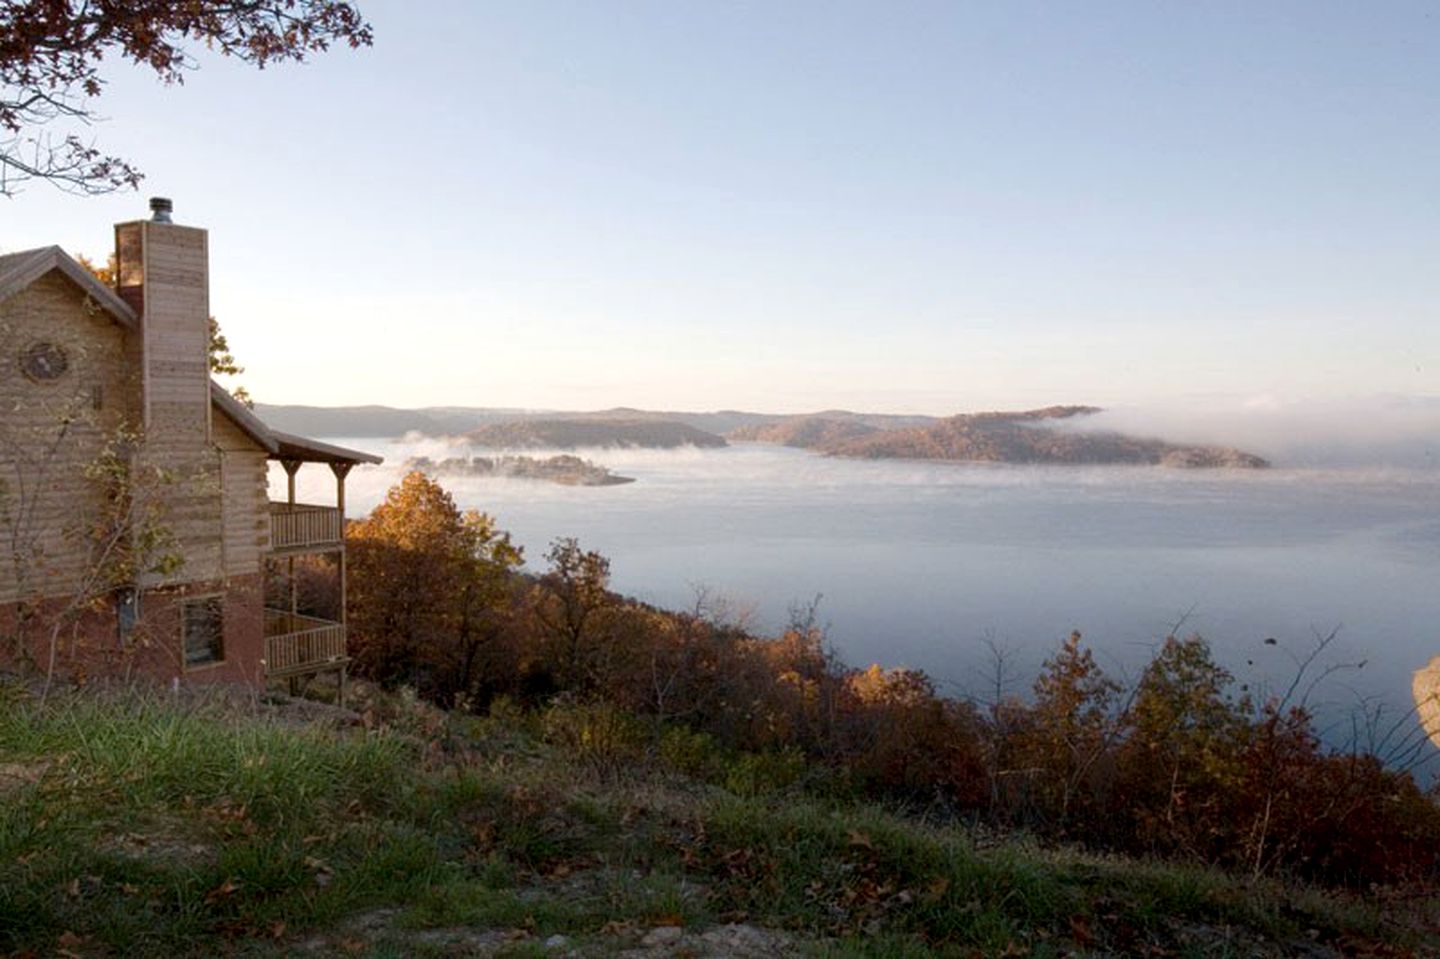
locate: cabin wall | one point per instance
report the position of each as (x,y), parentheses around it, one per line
(244,481)
(92,645)
(213,502)
(53,432)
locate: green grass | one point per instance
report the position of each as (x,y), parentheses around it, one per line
(132,825)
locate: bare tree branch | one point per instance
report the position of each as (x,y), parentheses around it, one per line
(51,53)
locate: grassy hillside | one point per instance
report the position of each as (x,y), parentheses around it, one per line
(132,824)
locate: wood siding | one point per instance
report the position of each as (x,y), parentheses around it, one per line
(172,277)
(51,432)
(244,483)
(213,503)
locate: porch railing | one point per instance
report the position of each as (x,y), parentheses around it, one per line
(300,526)
(296,644)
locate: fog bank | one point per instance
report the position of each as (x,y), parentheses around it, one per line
(1374,431)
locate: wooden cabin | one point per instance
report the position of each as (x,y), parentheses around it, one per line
(137,530)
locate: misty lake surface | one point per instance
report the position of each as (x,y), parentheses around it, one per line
(927,564)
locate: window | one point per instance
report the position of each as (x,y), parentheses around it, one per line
(127,610)
(203,626)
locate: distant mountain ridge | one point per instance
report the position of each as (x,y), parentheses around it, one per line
(390,422)
(1024,436)
(569,434)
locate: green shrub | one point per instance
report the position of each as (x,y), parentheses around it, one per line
(755,774)
(691,753)
(598,734)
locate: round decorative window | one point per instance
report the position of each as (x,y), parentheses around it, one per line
(44,361)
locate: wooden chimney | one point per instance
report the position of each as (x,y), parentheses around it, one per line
(163,272)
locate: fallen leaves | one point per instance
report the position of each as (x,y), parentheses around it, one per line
(222,892)
(68,943)
(321,870)
(1080,931)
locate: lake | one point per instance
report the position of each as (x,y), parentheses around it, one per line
(930,564)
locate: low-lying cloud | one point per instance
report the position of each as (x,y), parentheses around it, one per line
(1375,431)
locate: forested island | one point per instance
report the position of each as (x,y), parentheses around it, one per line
(563,469)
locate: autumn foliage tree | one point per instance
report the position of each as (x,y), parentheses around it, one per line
(570,603)
(907,740)
(428,587)
(1180,761)
(1065,752)
(51,53)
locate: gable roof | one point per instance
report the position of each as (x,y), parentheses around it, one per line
(283,446)
(19,270)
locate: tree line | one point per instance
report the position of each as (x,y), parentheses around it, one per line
(1180,763)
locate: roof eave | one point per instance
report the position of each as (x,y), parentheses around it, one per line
(306,450)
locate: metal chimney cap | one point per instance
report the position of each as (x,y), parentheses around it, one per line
(160,209)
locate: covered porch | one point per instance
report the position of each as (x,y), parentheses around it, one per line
(306,574)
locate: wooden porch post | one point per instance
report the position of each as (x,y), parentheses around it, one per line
(341,470)
(291,467)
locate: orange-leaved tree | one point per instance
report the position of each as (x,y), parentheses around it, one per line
(429,589)
(908,740)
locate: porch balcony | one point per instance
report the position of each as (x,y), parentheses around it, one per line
(296,644)
(301,527)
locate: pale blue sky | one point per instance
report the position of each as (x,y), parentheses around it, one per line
(924,207)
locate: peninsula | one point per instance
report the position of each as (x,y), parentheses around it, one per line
(997,437)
